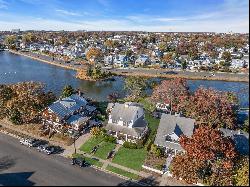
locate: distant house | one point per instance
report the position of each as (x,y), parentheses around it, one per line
(126,122)
(71,113)
(142,60)
(170,129)
(238,63)
(241,140)
(121,61)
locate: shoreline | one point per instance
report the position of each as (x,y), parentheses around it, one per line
(228,79)
(228,76)
(42,60)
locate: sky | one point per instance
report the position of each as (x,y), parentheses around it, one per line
(126,15)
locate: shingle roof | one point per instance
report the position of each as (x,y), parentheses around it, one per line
(241,140)
(139,127)
(173,124)
(126,112)
(68,105)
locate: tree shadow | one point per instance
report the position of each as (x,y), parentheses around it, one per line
(149,181)
(6,163)
(16,179)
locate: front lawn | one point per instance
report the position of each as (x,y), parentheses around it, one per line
(104,149)
(122,172)
(131,158)
(88,146)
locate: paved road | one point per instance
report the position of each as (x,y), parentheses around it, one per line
(20,165)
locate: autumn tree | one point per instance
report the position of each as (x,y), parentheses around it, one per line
(242,172)
(23,102)
(209,162)
(96,131)
(211,107)
(173,92)
(168,58)
(93,55)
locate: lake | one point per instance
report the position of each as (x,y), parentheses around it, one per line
(16,68)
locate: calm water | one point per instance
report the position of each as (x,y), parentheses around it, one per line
(15,68)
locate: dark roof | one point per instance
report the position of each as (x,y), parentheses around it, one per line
(68,105)
(240,138)
(170,124)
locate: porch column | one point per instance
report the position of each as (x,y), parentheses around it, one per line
(126,137)
(116,134)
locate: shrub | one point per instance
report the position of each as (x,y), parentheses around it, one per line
(110,139)
(129,145)
(96,131)
(101,117)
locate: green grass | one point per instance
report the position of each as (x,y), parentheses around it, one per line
(88,146)
(122,172)
(131,158)
(104,149)
(89,160)
(153,123)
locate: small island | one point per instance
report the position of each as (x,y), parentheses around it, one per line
(93,73)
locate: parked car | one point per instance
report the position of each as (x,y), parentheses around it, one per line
(41,148)
(79,161)
(49,150)
(30,142)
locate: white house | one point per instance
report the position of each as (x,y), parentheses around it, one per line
(126,122)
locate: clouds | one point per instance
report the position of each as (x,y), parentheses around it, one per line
(231,15)
(3,4)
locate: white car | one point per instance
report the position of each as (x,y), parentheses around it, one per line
(27,142)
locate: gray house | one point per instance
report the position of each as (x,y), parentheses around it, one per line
(241,140)
(170,129)
(126,122)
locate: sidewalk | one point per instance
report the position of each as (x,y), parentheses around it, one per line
(106,162)
(71,149)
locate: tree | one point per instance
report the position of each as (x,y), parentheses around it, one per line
(67,91)
(184,64)
(226,56)
(93,55)
(168,58)
(210,162)
(135,86)
(10,40)
(28,38)
(113,97)
(242,172)
(246,126)
(211,107)
(173,92)
(16,117)
(162,46)
(95,131)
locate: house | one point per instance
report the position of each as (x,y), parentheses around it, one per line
(170,129)
(71,113)
(126,122)
(142,60)
(238,63)
(241,140)
(121,61)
